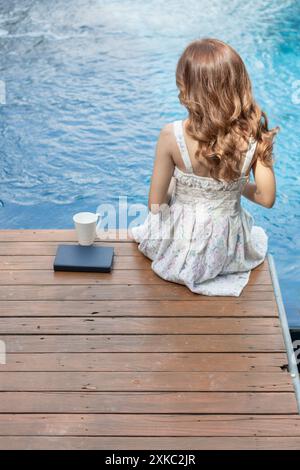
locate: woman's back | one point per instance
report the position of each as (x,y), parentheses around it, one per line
(200,166)
(208,193)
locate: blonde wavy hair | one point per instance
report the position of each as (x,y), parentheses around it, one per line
(215,88)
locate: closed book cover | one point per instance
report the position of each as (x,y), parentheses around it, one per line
(83,258)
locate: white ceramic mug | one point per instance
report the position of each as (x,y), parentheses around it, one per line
(85,224)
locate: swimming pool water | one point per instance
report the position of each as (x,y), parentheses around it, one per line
(87,85)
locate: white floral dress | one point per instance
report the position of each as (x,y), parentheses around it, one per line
(204,238)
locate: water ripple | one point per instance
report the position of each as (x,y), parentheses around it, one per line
(89,84)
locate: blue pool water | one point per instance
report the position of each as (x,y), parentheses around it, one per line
(88,84)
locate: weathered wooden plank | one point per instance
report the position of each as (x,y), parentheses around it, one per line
(20,262)
(58,235)
(167,291)
(148,402)
(139,325)
(139,308)
(49,248)
(143,277)
(148,443)
(146,381)
(144,343)
(46,262)
(149,425)
(205,362)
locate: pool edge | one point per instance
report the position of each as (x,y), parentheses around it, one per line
(292,363)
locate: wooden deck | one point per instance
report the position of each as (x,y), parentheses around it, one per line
(128,361)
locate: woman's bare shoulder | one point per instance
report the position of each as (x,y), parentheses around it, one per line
(167,129)
(167,134)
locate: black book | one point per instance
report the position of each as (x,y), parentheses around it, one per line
(83,258)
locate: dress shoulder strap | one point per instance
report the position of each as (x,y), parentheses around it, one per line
(249,156)
(179,136)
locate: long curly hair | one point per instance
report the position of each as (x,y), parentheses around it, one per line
(215,88)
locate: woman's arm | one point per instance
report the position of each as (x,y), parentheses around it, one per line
(161,181)
(263,191)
